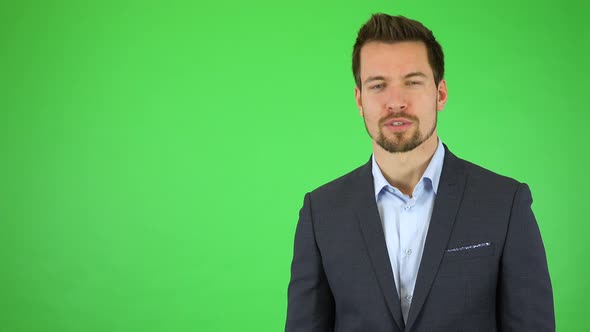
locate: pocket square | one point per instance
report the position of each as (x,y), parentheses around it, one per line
(479,245)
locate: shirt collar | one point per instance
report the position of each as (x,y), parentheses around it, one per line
(432,172)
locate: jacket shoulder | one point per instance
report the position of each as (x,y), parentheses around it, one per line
(341,191)
(489,180)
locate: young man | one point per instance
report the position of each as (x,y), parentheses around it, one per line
(416,239)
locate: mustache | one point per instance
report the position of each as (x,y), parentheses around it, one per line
(398,115)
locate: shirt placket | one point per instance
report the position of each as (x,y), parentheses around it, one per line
(407,254)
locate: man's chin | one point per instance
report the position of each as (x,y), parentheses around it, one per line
(398,148)
(403,142)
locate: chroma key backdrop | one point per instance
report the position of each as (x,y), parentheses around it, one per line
(155,154)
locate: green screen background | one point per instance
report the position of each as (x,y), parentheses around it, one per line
(155,154)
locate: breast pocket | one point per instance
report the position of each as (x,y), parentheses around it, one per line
(473,270)
(469,260)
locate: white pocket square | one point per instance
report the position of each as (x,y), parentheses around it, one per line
(479,245)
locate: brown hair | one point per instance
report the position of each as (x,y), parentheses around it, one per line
(393,29)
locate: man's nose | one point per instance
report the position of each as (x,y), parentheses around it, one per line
(396,101)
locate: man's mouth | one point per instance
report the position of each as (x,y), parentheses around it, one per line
(398,124)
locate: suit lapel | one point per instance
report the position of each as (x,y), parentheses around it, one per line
(448,198)
(372,231)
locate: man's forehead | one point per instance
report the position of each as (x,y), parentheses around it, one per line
(394,59)
(378,47)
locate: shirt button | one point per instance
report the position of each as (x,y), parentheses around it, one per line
(409,297)
(406,207)
(408,252)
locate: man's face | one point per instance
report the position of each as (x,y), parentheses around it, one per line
(398,99)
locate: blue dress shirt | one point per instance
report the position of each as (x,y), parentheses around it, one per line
(405,223)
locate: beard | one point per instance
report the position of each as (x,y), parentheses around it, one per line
(399,143)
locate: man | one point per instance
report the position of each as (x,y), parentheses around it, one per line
(416,239)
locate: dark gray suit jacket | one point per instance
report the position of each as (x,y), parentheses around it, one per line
(483,267)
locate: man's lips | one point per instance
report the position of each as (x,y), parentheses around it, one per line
(398,122)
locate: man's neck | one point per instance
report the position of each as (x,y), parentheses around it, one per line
(403,170)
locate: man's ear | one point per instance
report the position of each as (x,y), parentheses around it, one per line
(441,95)
(357,98)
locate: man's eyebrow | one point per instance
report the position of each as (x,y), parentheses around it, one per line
(374,78)
(414,74)
(382,78)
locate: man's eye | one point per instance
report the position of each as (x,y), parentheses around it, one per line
(377,86)
(413,83)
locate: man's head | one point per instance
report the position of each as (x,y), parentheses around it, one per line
(398,68)
(394,29)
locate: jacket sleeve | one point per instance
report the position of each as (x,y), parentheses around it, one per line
(310,306)
(525,297)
